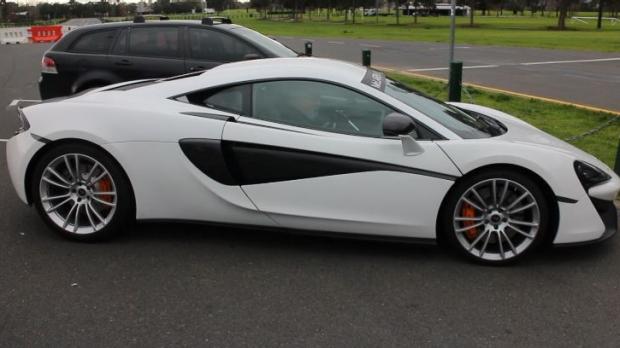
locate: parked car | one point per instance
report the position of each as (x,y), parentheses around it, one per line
(312,145)
(99,55)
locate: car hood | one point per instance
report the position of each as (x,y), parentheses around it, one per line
(522,132)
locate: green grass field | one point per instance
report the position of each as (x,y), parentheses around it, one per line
(562,121)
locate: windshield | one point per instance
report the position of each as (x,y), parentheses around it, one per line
(467,126)
(263,41)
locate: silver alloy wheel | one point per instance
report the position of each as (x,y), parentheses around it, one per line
(78,193)
(496,219)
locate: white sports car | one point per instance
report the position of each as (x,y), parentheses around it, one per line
(308,145)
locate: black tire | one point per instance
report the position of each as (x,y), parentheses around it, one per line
(90,210)
(495,233)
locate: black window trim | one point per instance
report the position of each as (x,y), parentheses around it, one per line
(188,45)
(180,52)
(71,47)
(248,108)
(117,38)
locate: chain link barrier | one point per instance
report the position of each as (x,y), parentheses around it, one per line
(614,119)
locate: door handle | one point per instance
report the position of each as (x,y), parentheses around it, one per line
(124,62)
(197,68)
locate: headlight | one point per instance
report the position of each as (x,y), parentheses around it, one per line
(589,175)
(25,125)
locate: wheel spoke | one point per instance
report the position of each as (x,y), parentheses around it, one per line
(92,171)
(520,209)
(52,182)
(77,168)
(475,192)
(58,205)
(98,178)
(102,201)
(527,235)
(512,247)
(47,199)
(464,218)
(90,218)
(473,204)
(77,216)
(96,213)
(104,193)
(504,191)
(460,230)
(517,201)
(523,223)
(63,180)
(501,245)
(478,239)
(64,226)
(486,242)
(68,165)
(494,185)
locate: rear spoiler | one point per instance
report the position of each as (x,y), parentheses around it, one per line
(15,108)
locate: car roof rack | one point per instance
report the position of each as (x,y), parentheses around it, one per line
(142,19)
(216,20)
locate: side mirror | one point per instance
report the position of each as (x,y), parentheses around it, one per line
(396,124)
(251,56)
(400,125)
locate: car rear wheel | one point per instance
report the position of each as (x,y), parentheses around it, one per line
(81,193)
(496,217)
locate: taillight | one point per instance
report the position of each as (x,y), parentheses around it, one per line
(48,66)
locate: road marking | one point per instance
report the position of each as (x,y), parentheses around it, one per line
(480,66)
(498,90)
(447,48)
(288,37)
(366,45)
(4,140)
(465,67)
(573,61)
(308,40)
(336,42)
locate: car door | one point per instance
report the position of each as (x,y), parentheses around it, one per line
(148,52)
(328,167)
(208,48)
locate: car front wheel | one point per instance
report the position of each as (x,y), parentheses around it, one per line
(495,217)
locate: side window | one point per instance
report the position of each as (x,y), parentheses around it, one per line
(96,42)
(319,106)
(154,41)
(230,99)
(209,44)
(120,47)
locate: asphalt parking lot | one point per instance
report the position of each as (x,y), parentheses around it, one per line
(177,285)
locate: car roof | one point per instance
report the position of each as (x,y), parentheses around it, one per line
(261,69)
(69,38)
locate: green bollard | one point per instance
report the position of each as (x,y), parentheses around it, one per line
(617,165)
(308,46)
(456,78)
(366,57)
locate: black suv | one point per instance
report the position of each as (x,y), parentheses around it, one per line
(99,55)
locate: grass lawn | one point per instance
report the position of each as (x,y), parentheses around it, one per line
(562,121)
(523,31)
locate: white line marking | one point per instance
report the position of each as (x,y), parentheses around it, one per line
(429,69)
(481,66)
(287,37)
(573,61)
(336,42)
(308,40)
(366,45)
(4,140)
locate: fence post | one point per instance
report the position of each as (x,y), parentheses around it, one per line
(456,78)
(366,57)
(308,46)
(617,165)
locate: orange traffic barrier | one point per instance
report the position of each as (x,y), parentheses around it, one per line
(50,33)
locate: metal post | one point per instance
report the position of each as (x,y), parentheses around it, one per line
(600,14)
(366,57)
(308,46)
(617,165)
(452,25)
(456,78)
